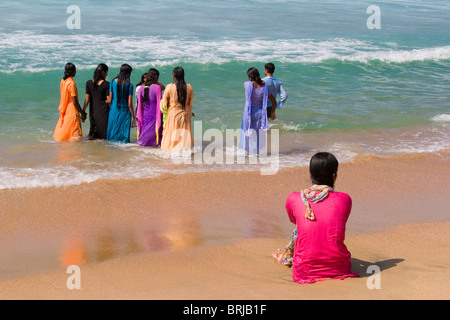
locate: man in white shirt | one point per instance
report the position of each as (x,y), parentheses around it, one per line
(275,87)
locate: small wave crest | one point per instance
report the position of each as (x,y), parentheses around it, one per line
(39,52)
(441,118)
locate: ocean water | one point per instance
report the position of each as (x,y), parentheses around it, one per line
(352,90)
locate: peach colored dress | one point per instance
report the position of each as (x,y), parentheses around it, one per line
(69,123)
(177,128)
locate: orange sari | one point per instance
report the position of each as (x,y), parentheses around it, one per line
(69,123)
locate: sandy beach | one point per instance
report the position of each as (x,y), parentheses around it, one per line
(210,236)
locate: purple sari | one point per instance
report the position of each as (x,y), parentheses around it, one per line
(149,116)
(254,120)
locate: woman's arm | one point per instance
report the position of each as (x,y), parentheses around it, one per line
(191,100)
(76,103)
(87,99)
(110,94)
(161,85)
(290,207)
(130,106)
(273,116)
(109,98)
(165,101)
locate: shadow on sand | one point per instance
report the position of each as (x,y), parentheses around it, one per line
(361,266)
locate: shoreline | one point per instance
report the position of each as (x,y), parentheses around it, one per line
(65,165)
(110,225)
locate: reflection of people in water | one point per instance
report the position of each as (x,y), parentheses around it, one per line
(74,253)
(113,244)
(67,153)
(179,233)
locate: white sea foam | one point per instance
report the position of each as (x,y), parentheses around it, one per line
(28,51)
(62,176)
(400,56)
(295,151)
(441,118)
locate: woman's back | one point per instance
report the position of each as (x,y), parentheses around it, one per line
(149,116)
(258,96)
(151,95)
(98,93)
(177,133)
(172,98)
(68,89)
(121,93)
(320,252)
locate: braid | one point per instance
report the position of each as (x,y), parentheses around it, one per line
(178,74)
(254,75)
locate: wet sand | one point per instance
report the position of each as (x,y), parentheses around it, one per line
(210,236)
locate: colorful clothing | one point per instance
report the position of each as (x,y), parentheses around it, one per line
(315,194)
(69,123)
(177,134)
(119,121)
(138,129)
(254,119)
(285,256)
(149,116)
(319,252)
(98,109)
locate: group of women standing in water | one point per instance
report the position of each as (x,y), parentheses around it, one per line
(162,120)
(159,118)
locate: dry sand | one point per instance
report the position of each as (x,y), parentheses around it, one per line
(210,236)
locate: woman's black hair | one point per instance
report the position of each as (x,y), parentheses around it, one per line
(123,81)
(178,74)
(69,70)
(142,80)
(155,71)
(151,78)
(253,75)
(98,73)
(323,169)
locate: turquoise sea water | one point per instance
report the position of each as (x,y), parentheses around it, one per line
(352,90)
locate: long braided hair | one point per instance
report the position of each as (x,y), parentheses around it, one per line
(123,81)
(178,75)
(254,75)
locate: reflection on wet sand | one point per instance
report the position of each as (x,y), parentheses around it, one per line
(173,233)
(177,233)
(184,232)
(67,152)
(74,253)
(112,244)
(106,247)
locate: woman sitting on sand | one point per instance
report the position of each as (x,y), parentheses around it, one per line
(177,103)
(121,115)
(254,119)
(148,113)
(70,112)
(317,250)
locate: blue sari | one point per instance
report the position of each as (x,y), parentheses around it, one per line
(254,120)
(119,121)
